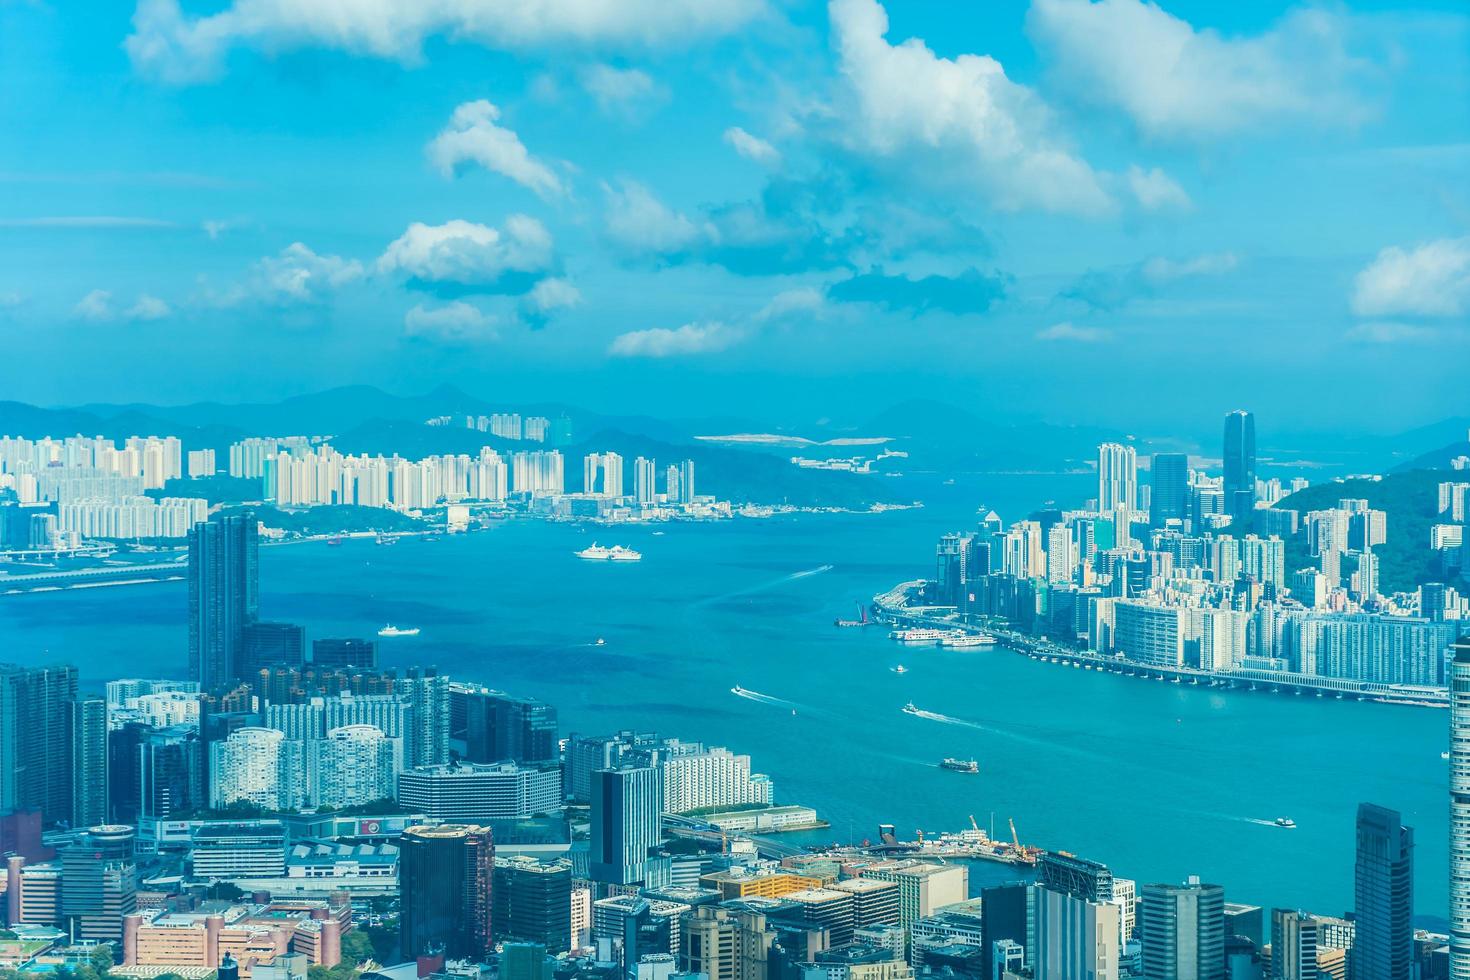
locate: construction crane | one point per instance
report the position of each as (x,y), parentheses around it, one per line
(974,824)
(1015,839)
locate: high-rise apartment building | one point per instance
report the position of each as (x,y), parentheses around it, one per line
(499,727)
(36,752)
(353,765)
(1459,685)
(223,596)
(1117,478)
(259,766)
(87,735)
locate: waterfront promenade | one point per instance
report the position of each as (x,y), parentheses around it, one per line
(894,607)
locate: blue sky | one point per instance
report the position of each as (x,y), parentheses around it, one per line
(1104,211)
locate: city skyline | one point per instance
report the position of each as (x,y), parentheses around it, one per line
(1295,202)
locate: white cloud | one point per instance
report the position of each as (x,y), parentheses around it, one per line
(1432,279)
(468,254)
(177,47)
(454,321)
(752,147)
(1176,81)
(553,293)
(1162,270)
(214,229)
(1069,331)
(1388,332)
(95,306)
(959,120)
(641,222)
(621,91)
(473,137)
(806,300)
(148,308)
(691,338)
(301,275)
(1157,191)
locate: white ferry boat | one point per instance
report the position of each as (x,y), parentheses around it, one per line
(1286,823)
(616,553)
(919,635)
(968,640)
(391,630)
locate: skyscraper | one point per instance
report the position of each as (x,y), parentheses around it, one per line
(1117,477)
(1383,895)
(35,740)
(499,727)
(88,738)
(445,877)
(645,473)
(1240,467)
(1182,931)
(1169,500)
(1460,811)
(223,596)
(625,823)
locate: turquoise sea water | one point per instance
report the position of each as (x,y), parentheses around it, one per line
(1157,780)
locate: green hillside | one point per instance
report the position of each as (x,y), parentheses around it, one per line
(1410,500)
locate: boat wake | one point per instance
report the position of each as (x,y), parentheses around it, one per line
(759,698)
(771,584)
(1053,745)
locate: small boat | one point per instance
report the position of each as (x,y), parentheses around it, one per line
(960,765)
(1286,823)
(335,541)
(599,642)
(737,689)
(910,709)
(900,669)
(1445,756)
(391,630)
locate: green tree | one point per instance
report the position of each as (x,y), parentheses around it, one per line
(102,958)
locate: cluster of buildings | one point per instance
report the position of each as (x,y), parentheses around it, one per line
(247,820)
(1192,570)
(55,493)
(58,494)
(319,475)
(511,426)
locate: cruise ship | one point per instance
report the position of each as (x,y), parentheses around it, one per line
(968,640)
(616,553)
(391,630)
(960,765)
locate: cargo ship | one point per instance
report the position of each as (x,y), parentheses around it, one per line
(960,765)
(391,630)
